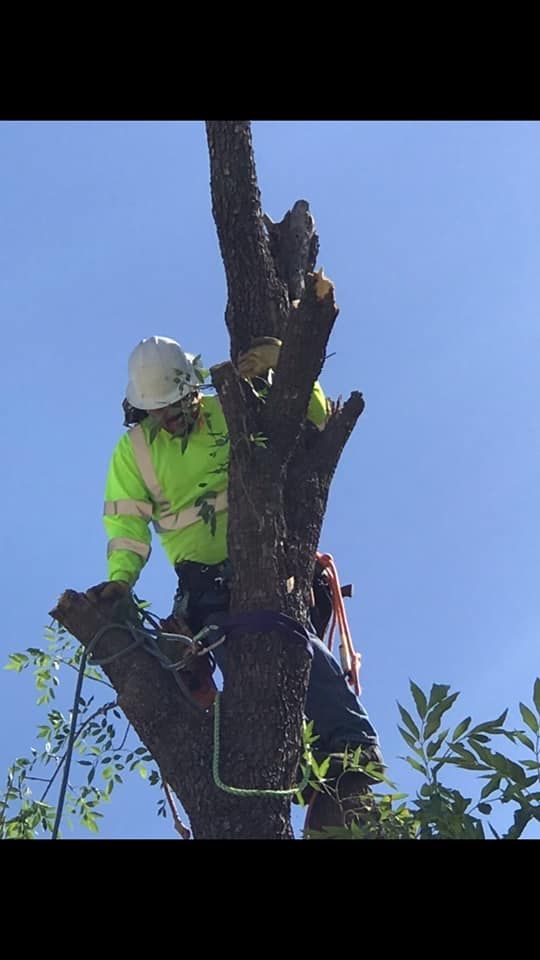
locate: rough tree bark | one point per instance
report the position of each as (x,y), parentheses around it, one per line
(277,499)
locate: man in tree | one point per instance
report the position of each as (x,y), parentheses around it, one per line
(171,469)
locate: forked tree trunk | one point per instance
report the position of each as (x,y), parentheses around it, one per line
(278,492)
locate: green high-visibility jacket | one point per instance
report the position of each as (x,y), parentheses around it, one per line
(157,482)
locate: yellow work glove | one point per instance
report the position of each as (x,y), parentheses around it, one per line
(110,591)
(262,356)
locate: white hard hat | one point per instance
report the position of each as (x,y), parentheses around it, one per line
(159,373)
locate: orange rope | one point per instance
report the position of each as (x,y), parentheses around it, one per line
(350,659)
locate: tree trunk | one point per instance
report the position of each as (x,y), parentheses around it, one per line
(278,491)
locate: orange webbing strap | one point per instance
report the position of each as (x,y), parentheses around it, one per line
(350,659)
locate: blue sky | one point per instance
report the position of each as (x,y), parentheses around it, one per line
(431,233)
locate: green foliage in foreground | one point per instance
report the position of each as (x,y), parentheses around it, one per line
(437,750)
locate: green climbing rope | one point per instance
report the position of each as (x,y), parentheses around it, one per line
(246,791)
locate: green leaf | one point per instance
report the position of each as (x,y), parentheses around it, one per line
(536,694)
(14,664)
(461,752)
(323,767)
(143,772)
(435,745)
(525,740)
(438,693)
(461,728)
(419,699)
(408,738)
(529,718)
(461,763)
(484,807)
(90,823)
(485,754)
(490,787)
(436,714)
(417,766)
(508,768)
(409,722)
(521,819)
(489,725)
(315,768)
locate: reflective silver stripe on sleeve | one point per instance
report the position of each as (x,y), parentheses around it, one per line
(143,460)
(124,543)
(128,508)
(184,518)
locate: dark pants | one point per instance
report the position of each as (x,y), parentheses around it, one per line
(339,719)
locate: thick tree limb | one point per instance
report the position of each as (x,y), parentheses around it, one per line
(300,362)
(257,300)
(336,433)
(309,475)
(294,246)
(241,405)
(181,739)
(256,525)
(175,733)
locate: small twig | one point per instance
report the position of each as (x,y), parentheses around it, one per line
(87,675)
(102,710)
(178,825)
(121,747)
